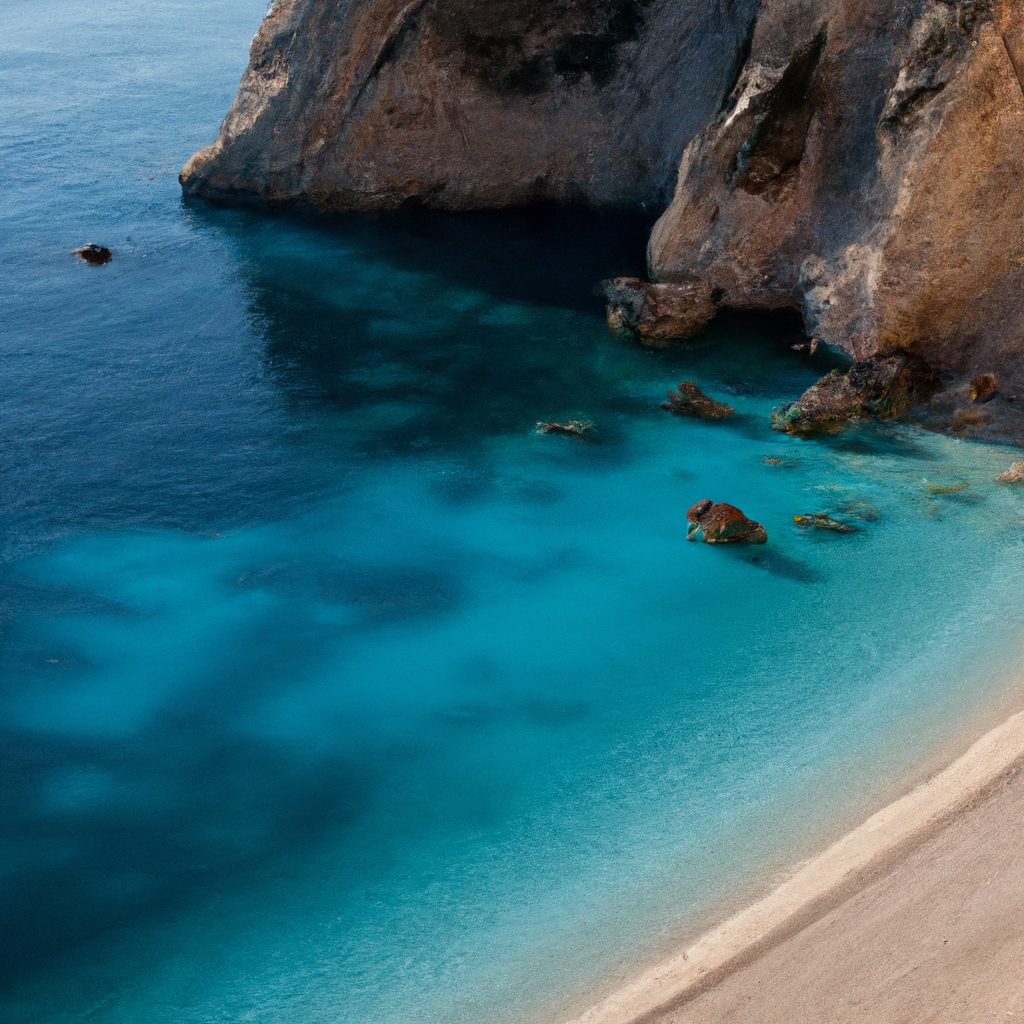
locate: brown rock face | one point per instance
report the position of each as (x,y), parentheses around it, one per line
(659,315)
(723,524)
(879,387)
(868,170)
(462,104)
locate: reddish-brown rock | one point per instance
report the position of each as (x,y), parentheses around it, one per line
(723,524)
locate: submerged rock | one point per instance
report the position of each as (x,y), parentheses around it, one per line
(823,521)
(946,486)
(691,401)
(1013,475)
(723,524)
(574,428)
(881,387)
(94,254)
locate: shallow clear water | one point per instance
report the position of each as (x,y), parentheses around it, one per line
(329,689)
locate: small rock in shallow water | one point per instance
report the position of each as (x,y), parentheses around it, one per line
(723,524)
(691,401)
(984,387)
(1013,475)
(947,487)
(574,428)
(94,254)
(823,521)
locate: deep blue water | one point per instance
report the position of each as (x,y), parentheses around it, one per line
(329,690)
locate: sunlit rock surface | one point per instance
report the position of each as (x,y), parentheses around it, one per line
(867,170)
(462,104)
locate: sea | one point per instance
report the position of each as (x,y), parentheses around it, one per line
(331,690)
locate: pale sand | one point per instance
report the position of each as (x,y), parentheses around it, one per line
(917,915)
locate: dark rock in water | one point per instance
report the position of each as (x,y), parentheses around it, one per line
(574,428)
(473,104)
(823,521)
(883,387)
(984,387)
(691,401)
(723,524)
(658,314)
(94,254)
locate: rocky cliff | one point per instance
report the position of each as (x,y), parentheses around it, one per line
(861,161)
(869,170)
(463,104)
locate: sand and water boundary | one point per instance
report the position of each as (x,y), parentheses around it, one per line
(821,883)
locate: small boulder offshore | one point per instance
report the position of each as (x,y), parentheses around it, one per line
(94,254)
(659,315)
(720,523)
(882,387)
(1013,475)
(691,401)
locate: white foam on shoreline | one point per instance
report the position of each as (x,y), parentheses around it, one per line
(820,883)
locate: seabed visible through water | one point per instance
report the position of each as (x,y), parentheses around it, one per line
(329,689)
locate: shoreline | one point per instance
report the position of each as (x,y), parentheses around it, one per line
(821,883)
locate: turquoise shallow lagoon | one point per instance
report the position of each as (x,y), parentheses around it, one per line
(329,689)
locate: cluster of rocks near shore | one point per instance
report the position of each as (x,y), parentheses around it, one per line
(858,161)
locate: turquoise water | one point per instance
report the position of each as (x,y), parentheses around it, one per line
(329,690)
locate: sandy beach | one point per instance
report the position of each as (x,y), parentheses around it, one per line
(916,915)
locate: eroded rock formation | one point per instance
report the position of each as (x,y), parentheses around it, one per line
(868,170)
(861,161)
(463,104)
(883,387)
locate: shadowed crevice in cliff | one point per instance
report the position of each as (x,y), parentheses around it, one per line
(518,46)
(770,157)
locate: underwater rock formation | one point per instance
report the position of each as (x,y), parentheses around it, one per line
(867,171)
(574,428)
(878,387)
(689,400)
(467,104)
(823,521)
(723,524)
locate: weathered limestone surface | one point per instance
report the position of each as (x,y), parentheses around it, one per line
(860,161)
(869,171)
(463,104)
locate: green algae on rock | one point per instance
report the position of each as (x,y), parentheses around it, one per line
(879,387)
